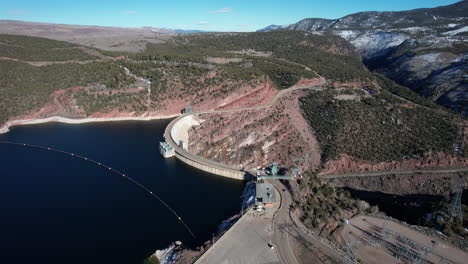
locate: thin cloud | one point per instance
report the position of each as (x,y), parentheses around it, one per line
(243,25)
(129,12)
(222,10)
(202,23)
(16,12)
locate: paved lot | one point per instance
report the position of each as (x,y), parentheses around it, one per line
(246,242)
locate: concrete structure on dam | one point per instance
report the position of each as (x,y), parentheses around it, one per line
(176,136)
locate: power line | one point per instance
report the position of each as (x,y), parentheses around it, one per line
(108,168)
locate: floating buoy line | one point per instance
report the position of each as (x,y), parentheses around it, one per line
(141,186)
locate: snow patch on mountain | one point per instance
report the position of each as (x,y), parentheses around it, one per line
(377,43)
(416,29)
(429,58)
(456,31)
(348,34)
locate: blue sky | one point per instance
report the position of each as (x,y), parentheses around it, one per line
(234,15)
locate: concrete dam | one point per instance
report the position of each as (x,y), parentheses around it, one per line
(177,142)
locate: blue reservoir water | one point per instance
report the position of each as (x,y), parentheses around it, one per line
(55,208)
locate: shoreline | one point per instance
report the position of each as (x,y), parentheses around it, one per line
(5,128)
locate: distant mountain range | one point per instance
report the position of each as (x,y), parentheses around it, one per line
(429,17)
(274,27)
(108,38)
(425,49)
(189,31)
(49,29)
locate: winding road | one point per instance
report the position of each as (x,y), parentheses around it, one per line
(285,230)
(282,224)
(168,137)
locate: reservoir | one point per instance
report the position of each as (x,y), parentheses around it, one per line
(55,208)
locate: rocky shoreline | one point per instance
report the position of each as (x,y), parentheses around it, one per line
(5,128)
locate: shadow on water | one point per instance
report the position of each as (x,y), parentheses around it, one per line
(58,209)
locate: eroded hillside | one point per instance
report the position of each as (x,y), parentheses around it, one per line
(258,137)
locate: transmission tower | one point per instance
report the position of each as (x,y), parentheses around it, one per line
(455,204)
(298,162)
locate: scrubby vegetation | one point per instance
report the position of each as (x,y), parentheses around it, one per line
(93,102)
(176,69)
(321,204)
(379,128)
(179,69)
(179,80)
(443,221)
(455,48)
(282,73)
(24,87)
(328,55)
(404,92)
(40,49)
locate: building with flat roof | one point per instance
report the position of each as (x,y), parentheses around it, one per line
(265,193)
(166,150)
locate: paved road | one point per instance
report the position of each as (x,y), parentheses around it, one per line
(285,231)
(383,173)
(185,153)
(317,87)
(281,228)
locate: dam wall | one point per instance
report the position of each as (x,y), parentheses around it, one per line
(238,175)
(176,135)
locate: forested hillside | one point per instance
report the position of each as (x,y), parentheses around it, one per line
(378,128)
(328,55)
(24,87)
(40,49)
(359,113)
(187,66)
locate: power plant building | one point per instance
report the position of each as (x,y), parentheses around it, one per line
(166,150)
(265,193)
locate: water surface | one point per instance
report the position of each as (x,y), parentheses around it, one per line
(58,209)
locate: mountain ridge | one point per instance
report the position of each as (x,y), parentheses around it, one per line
(422,16)
(424,49)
